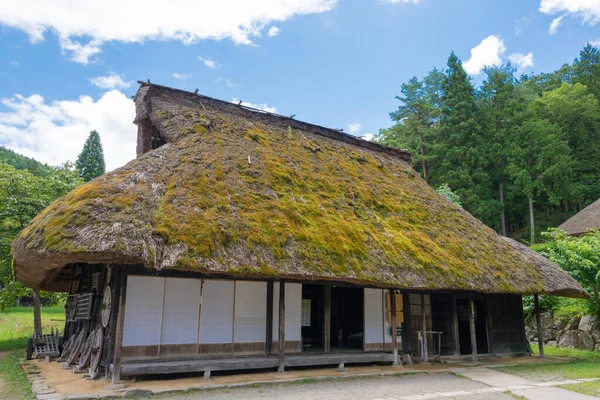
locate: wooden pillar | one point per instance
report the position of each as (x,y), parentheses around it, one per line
(37,314)
(407,325)
(472,327)
(394,331)
(281,338)
(327,319)
(269,335)
(538,320)
(116,376)
(455,327)
(424,347)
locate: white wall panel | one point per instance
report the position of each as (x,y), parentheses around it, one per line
(216,315)
(293,307)
(250,311)
(143,310)
(180,313)
(373,316)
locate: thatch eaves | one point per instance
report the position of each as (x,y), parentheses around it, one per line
(584,221)
(228,191)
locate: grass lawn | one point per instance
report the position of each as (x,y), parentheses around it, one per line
(13,383)
(578,364)
(589,388)
(16,325)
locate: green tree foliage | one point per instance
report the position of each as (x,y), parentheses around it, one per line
(445,191)
(22,196)
(521,153)
(21,162)
(90,162)
(580,256)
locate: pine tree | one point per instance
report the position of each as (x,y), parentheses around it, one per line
(462,143)
(502,106)
(90,162)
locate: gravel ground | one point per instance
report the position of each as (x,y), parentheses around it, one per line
(387,388)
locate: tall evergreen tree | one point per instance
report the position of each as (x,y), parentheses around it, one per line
(501,112)
(90,162)
(462,142)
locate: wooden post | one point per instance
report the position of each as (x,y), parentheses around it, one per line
(116,376)
(538,320)
(37,313)
(407,327)
(455,327)
(393,327)
(281,338)
(424,348)
(269,335)
(327,319)
(472,326)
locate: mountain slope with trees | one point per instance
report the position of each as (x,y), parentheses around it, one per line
(522,153)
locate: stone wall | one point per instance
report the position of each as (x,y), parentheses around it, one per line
(574,332)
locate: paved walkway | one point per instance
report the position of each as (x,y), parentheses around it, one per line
(482,383)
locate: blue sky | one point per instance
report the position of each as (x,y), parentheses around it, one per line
(66,68)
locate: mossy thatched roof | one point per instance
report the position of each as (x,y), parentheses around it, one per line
(584,221)
(235,192)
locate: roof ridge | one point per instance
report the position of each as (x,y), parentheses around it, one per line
(307,126)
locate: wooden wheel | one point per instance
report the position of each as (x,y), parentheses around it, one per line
(86,350)
(75,348)
(67,347)
(106,306)
(96,353)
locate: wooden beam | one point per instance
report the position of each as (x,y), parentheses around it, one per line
(538,320)
(269,335)
(424,347)
(394,331)
(327,318)
(281,338)
(116,377)
(472,327)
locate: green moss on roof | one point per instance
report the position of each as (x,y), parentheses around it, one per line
(229,194)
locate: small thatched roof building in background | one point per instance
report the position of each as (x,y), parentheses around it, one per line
(584,221)
(225,203)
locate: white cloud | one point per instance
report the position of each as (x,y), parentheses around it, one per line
(354,128)
(263,106)
(112,81)
(273,31)
(55,132)
(208,62)
(230,83)
(521,23)
(595,43)
(368,136)
(485,54)
(521,61)
(555,24)
(587,10)
(181,76)
(15,63)
(140,20)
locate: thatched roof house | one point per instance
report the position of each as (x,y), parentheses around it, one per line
(584,221)
(224,193)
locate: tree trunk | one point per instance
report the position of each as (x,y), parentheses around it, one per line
(503,214)
(423,165)
(531,220)
(37,313)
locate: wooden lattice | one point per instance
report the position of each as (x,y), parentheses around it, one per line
(84,307)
